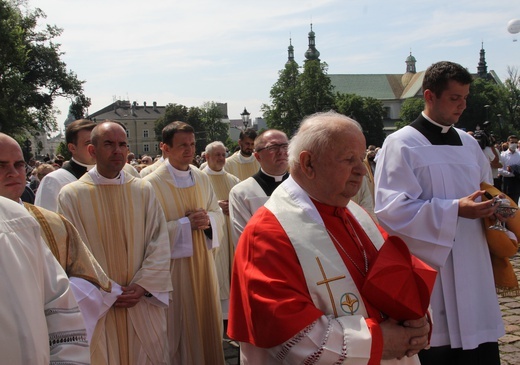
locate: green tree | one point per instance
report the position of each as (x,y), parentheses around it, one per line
(64,151)
(482,105)
(172,113)
(296,95)
(509,119)
(410,110)
(367,111)
(78,108)
(316,90)
(32,74)
(284,114)
(211,117)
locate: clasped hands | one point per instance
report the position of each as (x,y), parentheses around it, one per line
(199,219)
(130,297)
(404,339)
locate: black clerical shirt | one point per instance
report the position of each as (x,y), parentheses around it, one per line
(434,133)
(268,183)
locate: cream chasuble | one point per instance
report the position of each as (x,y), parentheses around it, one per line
(124,227)
(222,182)
(242,167)
(67,247)
(194,318)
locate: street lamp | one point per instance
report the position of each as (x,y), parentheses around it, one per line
(245,117)
(486,107)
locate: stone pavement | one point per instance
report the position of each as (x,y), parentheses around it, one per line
(509,344)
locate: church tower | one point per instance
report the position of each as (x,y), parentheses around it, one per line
(312,53)
(410,70)
(290,51)
(410,63)
(482,68)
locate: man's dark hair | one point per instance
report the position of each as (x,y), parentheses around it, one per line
(438,75)
(513,136)
(175,127)
(72,130)
(248,133)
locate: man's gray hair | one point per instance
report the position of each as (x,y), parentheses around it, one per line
(210,147)
(315,133)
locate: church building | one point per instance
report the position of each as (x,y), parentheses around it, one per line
(391,89)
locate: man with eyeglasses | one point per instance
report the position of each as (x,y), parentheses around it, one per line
(246,197)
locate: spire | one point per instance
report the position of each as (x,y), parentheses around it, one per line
(410,63)
(290,51)
(482,68)
(312,53)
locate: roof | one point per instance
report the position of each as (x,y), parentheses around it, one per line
(378,86)
(123,110)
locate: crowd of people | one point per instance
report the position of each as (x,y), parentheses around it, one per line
(280,244)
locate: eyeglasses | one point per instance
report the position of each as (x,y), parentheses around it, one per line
(275,148)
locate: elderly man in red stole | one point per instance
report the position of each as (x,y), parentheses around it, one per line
(303,258)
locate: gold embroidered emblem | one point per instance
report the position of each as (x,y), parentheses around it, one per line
(326,281)
(351,301)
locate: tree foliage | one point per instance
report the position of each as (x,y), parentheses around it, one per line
(32,74)
(367,111)
(296,95)
(172,113)
(316,90)
(410,109)
(284,114)
(509,117)
(482,105)
(211,116)
(205,120)
(63,150)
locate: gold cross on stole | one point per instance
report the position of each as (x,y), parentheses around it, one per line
(326,281)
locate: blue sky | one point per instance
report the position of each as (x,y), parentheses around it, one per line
(192,51)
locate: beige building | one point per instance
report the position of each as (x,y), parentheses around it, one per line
(139,121)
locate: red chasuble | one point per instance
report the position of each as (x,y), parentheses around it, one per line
(269,300)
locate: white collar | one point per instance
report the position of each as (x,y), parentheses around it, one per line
(101,180)
(209,171)
(88,167)
(276,178)
(444,128)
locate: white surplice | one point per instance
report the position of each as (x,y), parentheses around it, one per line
(418,187)
(39,317)
(244,200)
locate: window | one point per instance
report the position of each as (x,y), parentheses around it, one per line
(146,147)
(387,112)
(127,133)
(145,133)
(156,147)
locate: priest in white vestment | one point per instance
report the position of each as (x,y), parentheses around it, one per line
(40,319)
(222,182)
(428,179)
(57,232)
(246,197)
(243,164)
(77,137)
(123,225)
(195,224)
(302,260)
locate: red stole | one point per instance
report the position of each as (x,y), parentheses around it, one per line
(336,220)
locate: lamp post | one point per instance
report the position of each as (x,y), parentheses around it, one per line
(486,108)
(245,117)
(499,116)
